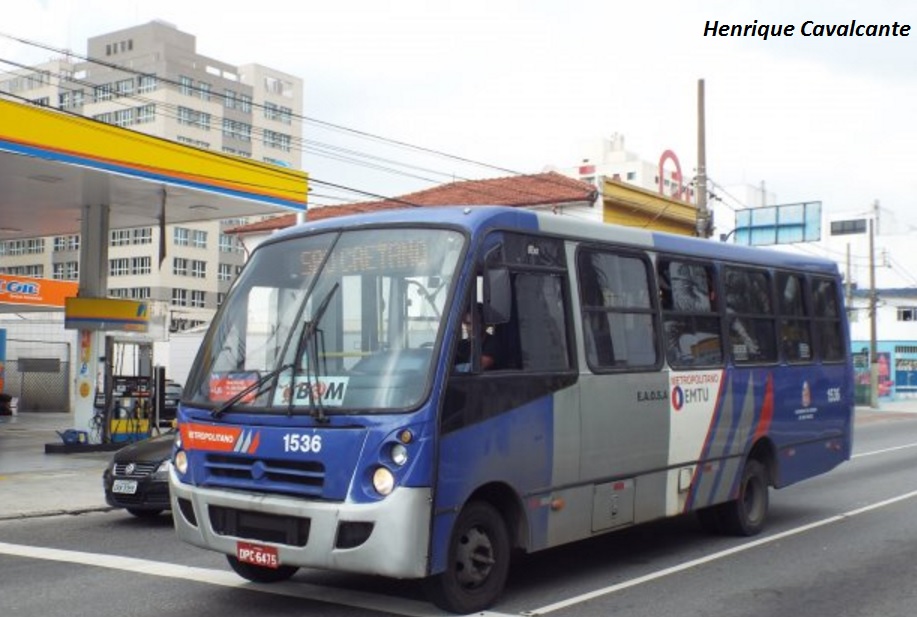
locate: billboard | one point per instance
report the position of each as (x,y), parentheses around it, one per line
(26,291)
(784,224)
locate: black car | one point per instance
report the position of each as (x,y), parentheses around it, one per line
(137,478)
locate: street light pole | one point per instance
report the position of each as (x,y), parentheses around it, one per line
(703,215)
(873,347)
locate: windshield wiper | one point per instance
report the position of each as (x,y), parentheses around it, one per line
(258,385)
(308,340)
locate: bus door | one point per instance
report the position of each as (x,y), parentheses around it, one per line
(624,392)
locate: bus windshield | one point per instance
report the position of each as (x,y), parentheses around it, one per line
(335,322)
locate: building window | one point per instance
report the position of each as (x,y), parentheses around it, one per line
(907,313)
(220,298)
(145,114)
(179,266)
(181,236)
(245,103)
(124,87)
(66,271)
(119,267)
(198,269)
(229,99)
(123,117)
(197,298)
(204,90)
(273,139)
(224,273)
(852,226)
(179,297)
(147,83)
(140,265)
(278,113)
(103,92)
(186,85)
(142,235)
(120,237)
(199,239)
(237,130)
(66,243)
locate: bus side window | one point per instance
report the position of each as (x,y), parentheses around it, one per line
(795,318)
(619,319)
(750,315)
(540,342)
(690,321)
(827,319)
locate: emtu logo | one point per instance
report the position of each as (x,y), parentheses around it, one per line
(19,287)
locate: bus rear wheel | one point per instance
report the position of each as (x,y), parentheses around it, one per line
(477,563)
(746,515)
(260,574)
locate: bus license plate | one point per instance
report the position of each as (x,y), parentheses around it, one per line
(124,487)
(258,555)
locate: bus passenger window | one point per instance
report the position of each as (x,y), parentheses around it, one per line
(827,320)
(619,321)
(690,321)
(795,324)
(752,334)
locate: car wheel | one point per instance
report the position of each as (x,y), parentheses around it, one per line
(260,574)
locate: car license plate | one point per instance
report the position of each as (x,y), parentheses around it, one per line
(258,555)
(125,487)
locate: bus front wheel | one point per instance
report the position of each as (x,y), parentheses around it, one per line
(478,562)
(260,574)
(746,515)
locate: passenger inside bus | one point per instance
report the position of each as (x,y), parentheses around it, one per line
(471,325)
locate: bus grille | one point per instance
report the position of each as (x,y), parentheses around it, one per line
(289,530)
(266,475)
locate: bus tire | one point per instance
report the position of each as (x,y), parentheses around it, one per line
(747,514)
(477,563)
(260,574)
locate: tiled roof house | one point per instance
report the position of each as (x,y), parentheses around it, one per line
(545,190)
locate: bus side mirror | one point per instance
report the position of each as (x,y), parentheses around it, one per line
(497,296)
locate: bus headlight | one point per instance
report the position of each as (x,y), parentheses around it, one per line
(181,462)
(383,481)
(399,454)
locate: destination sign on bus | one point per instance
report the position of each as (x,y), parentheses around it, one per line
(407,255)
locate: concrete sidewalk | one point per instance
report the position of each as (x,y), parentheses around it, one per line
(35,483)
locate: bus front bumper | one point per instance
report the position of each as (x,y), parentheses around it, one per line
(396,546)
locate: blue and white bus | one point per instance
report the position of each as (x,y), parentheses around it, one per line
(327,422)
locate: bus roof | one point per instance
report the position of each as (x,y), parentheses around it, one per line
(478,219)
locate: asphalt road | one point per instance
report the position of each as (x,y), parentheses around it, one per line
(844,545)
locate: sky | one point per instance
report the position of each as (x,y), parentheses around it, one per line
(521,86)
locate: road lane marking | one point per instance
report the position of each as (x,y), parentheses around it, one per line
(884,450)
(224,578)
(550,608)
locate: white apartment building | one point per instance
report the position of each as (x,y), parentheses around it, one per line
(150,78)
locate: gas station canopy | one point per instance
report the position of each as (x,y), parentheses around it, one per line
(53,164)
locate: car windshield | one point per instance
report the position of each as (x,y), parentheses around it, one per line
(333,322)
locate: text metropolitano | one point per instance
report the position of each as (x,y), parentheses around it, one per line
(808,28)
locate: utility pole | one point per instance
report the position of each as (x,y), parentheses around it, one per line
(703,214)
(873,347)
